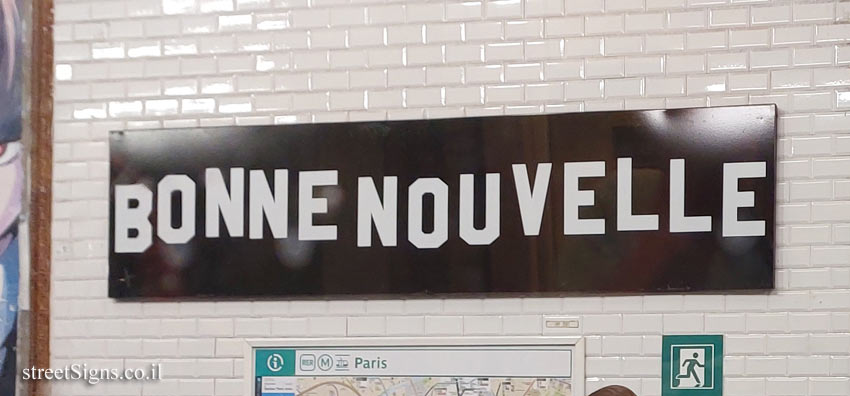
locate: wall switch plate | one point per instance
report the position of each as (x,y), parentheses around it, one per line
(561,325)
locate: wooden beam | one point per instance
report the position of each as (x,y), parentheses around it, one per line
(41,179)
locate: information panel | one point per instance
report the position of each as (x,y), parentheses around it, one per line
(433,367)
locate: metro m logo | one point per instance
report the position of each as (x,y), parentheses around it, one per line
(326,362)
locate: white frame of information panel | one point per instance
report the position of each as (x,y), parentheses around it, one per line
(576,345)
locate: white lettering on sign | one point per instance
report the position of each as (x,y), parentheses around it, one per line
(490,232)
(273,206)
(308,205)
(129,218)
(416,200)
(268,203)
(734,199)
(531,201)
(168,187)
(626,221)
(678,221)
(573,198)
(230,205)
(383,211)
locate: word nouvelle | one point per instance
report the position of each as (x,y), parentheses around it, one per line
(269,202)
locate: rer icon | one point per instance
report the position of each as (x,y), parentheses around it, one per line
(308,362)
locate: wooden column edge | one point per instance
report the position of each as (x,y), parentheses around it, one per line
(41,181)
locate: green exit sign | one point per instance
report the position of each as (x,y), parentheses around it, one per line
(692,365)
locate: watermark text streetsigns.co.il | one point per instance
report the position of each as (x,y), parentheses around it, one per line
(81,372)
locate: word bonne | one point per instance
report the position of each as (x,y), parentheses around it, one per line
(269,202)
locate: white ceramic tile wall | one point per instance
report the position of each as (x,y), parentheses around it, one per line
(183,63)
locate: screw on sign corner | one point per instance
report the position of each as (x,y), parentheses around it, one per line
(613,390)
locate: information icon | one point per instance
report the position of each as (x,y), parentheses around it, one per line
(275,362)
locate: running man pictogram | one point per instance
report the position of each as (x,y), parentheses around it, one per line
(691,370)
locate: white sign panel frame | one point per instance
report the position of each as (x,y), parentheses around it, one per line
(527,351)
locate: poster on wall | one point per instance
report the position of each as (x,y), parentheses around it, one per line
(544,366)
(627,201)
(11,186)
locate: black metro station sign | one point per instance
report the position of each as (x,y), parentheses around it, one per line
(627,201)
